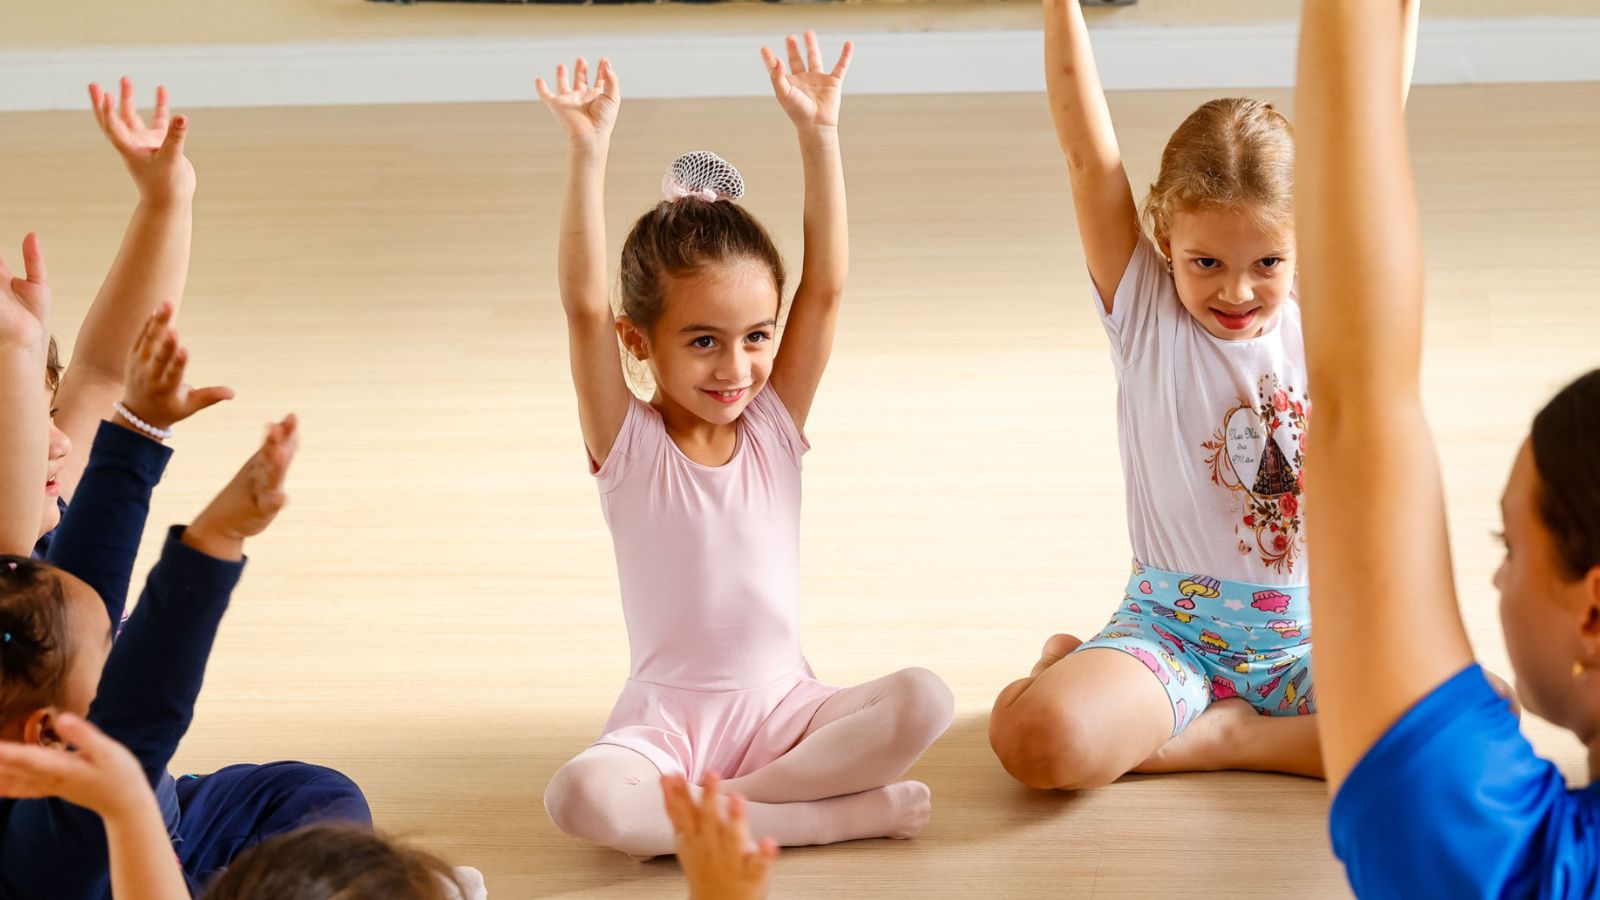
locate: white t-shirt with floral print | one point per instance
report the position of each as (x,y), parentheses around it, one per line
(1212,434)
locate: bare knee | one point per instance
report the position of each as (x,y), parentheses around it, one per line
(923,709)
(1052,747)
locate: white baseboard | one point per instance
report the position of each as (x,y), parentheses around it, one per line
(681,65)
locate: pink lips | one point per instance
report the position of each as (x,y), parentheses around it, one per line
(1235,322)
(728,397)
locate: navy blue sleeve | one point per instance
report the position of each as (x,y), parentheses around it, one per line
(152,678)
(1452,802)
(146,697)
(42,545)
(101,530)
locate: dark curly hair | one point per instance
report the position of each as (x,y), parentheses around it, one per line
(34,650)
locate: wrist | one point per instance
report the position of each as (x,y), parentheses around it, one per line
(589,150)
(214,539)
(819,138)
(166,199)
(130,804)
(133,419)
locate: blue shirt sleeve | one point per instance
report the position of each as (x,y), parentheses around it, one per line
(100,532)
(1452,802)
(146,697)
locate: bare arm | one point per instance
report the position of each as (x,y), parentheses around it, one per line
(589,113)
(1108,220)
(811,96)
(1410,16)
(1388,629)
(24,433)
(150,269)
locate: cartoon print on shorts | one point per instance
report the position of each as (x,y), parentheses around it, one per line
(1151,663)
(1222,688)
(1169,613)
(1177,670)
(1247,455)
(1291,691)
(1203,586)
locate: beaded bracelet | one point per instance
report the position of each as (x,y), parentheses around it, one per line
(159,434)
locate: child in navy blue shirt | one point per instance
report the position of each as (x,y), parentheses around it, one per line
(60,654)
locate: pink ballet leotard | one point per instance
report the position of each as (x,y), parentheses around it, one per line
(708,563)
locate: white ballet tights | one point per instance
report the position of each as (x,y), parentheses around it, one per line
(836,784)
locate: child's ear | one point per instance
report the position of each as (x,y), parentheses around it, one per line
(633,339)
(39,729)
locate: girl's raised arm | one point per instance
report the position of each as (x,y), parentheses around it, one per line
(1108,220)
(589,112)
(1384,602)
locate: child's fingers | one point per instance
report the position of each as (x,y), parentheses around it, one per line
(543,89)
(775,72)
(843,65)
(795,64)
(710,806)
(171,378)
(282,441)
(733,831)
(813,52)
(580,75)
(83,735)
(35,769)
(129,110)
(613,88)
(675,791)
(163,108)
(115,131)
(563,83)
(161,355)
(172,144)
(33,260)
(201,398)
(141,344)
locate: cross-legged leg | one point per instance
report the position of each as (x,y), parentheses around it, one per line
(862,737)
(612,796)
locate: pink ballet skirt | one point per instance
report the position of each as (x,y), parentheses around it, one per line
(728,733)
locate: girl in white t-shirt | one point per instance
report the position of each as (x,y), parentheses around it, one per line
(1206,664)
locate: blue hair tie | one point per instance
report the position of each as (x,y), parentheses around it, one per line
(8,637)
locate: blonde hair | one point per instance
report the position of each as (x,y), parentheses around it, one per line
(1229,154)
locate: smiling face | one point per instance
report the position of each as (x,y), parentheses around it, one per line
(1233,274)
(60,445)
(711,349)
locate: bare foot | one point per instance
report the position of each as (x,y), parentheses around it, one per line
(1230,734)
(1055,650)
(912,804)
(1207,743)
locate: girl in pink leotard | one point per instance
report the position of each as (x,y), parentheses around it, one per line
(701,489)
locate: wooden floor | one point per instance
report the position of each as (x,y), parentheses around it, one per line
(437,614)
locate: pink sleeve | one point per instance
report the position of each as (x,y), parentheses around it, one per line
(767,415)
(632,441)
(1145,296)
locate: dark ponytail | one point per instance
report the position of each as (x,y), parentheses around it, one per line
(1566,452)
